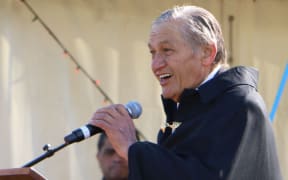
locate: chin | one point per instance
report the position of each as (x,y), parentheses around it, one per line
(167,96)
(170,95)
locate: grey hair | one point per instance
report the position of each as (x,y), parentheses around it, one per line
(198,26)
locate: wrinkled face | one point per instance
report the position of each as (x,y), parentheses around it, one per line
(113,167)
(174,63)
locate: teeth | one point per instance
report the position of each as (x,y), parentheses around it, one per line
(163,76)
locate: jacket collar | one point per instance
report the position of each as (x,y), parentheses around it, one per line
(224,80)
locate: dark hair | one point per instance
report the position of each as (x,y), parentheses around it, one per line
(103,137)
(101,140)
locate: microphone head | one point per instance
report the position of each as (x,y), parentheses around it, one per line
(134,109)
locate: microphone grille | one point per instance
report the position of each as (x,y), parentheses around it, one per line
(134,109)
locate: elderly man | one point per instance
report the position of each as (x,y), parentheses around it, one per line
(217,125)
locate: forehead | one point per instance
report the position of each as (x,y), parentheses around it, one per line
(106,145)
(165,33)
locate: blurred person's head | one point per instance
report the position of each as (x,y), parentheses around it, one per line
(113,167)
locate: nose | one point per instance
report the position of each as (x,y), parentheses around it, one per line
(158,61)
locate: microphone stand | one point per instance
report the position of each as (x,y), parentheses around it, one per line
(49,152)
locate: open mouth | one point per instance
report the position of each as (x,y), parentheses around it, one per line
(165,76)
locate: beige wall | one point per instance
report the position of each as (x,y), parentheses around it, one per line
(42,99)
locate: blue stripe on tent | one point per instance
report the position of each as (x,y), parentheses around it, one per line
(279,93)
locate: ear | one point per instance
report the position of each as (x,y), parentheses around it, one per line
(208,54)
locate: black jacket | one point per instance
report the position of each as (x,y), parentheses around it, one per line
(225,134)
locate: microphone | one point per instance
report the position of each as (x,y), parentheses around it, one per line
(133,108)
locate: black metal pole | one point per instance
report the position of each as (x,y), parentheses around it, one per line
(48,153)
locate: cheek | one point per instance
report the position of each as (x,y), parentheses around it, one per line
(185,72)
(104,160)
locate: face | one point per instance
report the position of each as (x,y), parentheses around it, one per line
(174,63)
(113,167)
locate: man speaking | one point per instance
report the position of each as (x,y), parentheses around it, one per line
(217,125)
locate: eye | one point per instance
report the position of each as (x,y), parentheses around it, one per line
(168,51)
(109,152)
(152,52)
